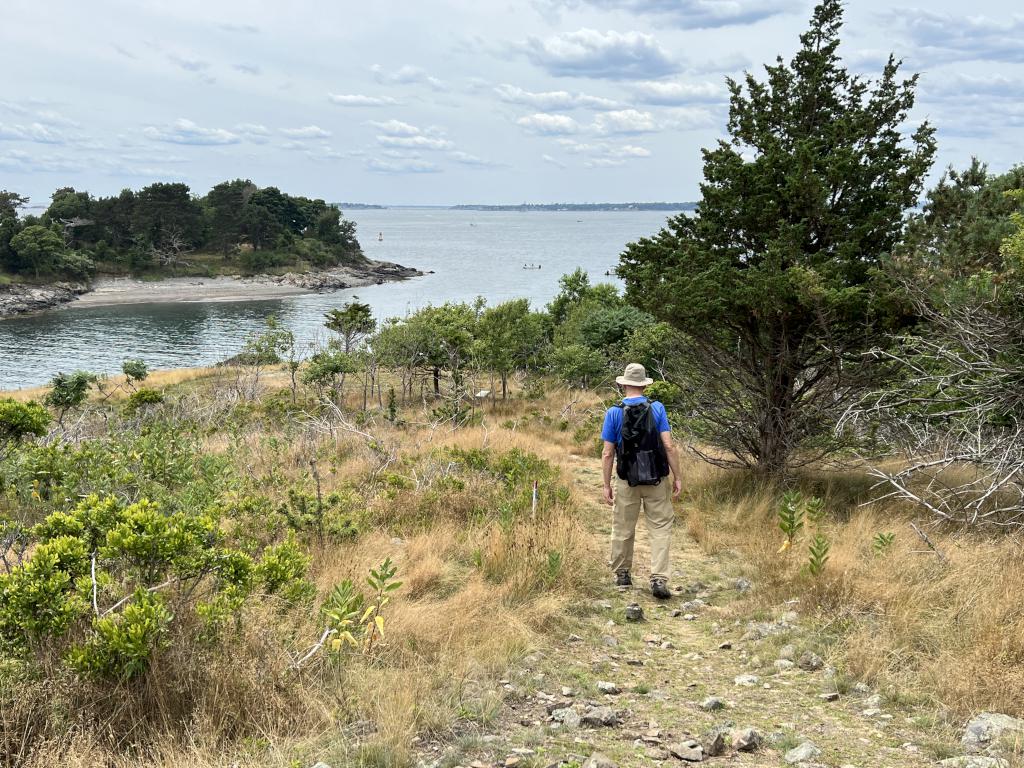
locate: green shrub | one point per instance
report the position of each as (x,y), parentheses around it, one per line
(163,462)
(664,392)
(96,593)
(18,420)
(135,371)
(142,397)
(68,391)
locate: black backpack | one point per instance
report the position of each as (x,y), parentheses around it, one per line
(640,454)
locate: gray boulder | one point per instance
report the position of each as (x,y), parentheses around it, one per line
(567,716)
(600,716)
(810,661)
(599,760)
(712,704)
(716,741)
(993,733)
(690,751)
(801,754)
(746,740)
(974,761)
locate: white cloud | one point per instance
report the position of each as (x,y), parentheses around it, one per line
(692,14)
(673,93)
(553,100)
(34,132)
(184,131)
(360,100)
(691,118)
(23,162)
(553,161)
(961,86)
(407,75)
(257,134)
(549,125)
(625,121)
(603,149)
(249,29)
(414,142)
(466,158)
(729,62)
(610,55)
(411,165)
(943,37)
(396,128)
(306,132)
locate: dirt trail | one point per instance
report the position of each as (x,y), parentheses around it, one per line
(648,680)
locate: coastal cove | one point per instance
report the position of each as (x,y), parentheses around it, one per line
(175,324)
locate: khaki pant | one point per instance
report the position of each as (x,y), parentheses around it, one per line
(658,513)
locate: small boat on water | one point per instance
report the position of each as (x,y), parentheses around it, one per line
(531,266)
(380,237)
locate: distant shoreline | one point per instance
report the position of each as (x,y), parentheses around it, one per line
(575,207)
(580,207)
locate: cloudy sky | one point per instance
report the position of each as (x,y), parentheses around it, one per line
(450,101)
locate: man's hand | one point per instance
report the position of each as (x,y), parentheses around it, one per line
(677,488)
(608,498)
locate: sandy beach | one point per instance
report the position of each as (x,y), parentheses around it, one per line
(127,290)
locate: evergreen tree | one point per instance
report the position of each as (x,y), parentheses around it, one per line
(775,277)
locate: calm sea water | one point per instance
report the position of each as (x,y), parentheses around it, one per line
(471,253)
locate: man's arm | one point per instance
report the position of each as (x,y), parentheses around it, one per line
(607,457)
(673,462)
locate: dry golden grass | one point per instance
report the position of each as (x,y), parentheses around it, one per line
(156,379)
(947,633)
(464,575)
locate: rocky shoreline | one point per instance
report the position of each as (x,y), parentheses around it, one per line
(23,299)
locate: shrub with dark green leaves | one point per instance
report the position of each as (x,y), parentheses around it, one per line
(162,462)
(135,371)
(109,584)
(18,420)
(142,397)
(68,391)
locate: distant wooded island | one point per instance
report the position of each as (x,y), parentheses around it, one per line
(580,207)
(532,207)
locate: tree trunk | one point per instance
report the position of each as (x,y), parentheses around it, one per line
(775,428)
(437,382)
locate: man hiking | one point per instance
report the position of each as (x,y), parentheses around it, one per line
(637,434)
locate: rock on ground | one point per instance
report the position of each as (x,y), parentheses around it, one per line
(599,760)
(974,761)
(801,754)
(716,741)
(991,732)
(746,740)
(690,751)
(712,704)
(605,716)
(810,661)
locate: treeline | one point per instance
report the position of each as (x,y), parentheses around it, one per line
(448,353)
(235,227)
(579,207)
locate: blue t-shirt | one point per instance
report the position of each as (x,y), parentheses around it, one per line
(612,429)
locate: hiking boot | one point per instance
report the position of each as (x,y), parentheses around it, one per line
(623,579)
(659,588)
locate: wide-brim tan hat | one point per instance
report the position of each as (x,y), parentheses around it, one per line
(635,375)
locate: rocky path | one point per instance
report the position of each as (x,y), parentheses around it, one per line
(694,682)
